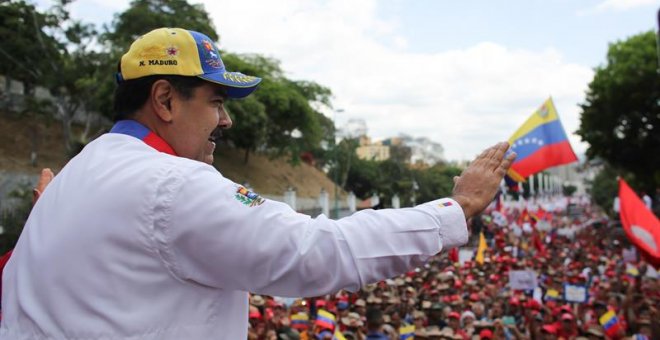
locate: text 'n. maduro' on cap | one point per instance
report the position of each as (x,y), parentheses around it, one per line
(177,51)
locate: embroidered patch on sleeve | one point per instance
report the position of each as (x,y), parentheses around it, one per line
(444,204)
(248,197)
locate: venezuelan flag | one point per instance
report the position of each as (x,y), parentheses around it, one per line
(338,336)
(325,319)
(300,321)
(407,332)
(610,323)
(552,294)
(540,143)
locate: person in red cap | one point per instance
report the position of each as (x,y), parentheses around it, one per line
(566,327)
(454,323)
(549,332)
(485,334)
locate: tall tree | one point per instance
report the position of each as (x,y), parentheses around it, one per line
(54,51)
(289,105)
(143,16)
(621,116)
(27,53)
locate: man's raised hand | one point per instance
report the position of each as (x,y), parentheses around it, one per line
(475,188)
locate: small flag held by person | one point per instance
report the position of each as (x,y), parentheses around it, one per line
(407,332)
(325,319)
(610,323)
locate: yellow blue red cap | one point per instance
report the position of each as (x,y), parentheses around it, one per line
(176,51)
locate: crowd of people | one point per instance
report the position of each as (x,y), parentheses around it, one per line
(469,296)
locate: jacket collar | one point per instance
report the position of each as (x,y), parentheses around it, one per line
(141,132)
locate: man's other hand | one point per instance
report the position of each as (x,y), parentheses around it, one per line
(477,185)
(44,179)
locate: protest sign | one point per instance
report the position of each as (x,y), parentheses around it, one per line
(575,293)
(522,279)
(465,254)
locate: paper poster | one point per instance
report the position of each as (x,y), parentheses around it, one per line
(575,293)
(465,254)
(522,279)
(629,255)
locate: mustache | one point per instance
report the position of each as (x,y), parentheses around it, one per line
(216,134)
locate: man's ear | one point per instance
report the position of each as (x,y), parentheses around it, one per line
(162,93)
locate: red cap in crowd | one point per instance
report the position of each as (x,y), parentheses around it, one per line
(567,316)
(454,315)
(549,328)
(533,304)
(254,313)
(486,334)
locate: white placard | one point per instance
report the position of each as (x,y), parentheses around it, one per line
(629,255)
(522,279)
(574,293)
(465,254)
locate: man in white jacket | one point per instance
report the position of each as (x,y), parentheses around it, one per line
(138,237)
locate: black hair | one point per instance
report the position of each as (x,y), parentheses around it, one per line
(374,318)
(131,95)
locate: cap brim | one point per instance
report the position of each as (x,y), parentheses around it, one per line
(237,84)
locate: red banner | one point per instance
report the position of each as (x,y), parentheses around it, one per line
(640,224)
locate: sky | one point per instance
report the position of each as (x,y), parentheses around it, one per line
(465,74)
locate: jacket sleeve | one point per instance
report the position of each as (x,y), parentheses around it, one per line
(216,234)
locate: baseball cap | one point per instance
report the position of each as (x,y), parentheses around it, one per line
(454,315)
(177,51)
(486,334)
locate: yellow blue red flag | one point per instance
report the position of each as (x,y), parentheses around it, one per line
(540,143)
(407,332)
(338,335)
(610,323)
(325,319)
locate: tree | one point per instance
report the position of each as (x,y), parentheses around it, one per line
(249,128)
(12,221)
(27,53)
(284,106)
(621,115)
(436,181)
(55,51)
(143,16)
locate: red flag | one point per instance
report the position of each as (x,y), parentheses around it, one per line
(640,224)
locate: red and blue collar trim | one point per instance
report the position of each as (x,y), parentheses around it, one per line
(141,132)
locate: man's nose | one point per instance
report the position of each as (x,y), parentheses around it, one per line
(225,121)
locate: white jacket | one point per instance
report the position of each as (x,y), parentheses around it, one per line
(131,243)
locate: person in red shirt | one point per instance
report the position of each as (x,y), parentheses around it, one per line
(566,327)
(455,324)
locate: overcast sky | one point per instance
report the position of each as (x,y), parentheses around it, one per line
(464,73)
